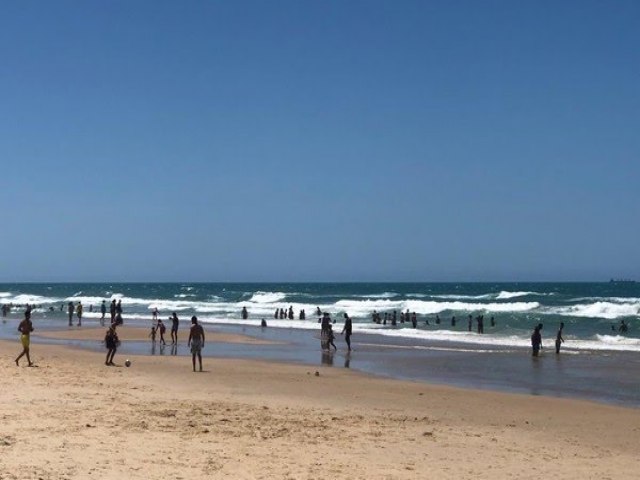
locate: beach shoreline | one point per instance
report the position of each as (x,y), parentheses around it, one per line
(606,378)
(245,418)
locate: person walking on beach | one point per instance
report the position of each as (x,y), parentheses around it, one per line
(196,342)
(70,310)
(103,311)
(559,339)
(536,340)
(79,313)
(25,328)
(162,329)
(175,323)
(331,337)
(347,330)
(111,341)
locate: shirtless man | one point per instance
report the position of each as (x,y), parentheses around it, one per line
(196,342)
(25,328)
(175,323)
(348,329)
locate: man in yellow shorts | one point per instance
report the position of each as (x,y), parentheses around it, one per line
(25,328)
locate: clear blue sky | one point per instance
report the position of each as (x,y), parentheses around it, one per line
(319,140)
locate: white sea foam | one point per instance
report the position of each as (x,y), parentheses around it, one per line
(5,294)
(25,298)
(365,307)
(378,295)
(618,340)
(606,310)
(485,296)
(506,295)
(267,297)
(606,299)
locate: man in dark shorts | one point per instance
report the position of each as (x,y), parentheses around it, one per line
(175,323)
(70,310)
(559,339)
(346,331)
(536,340)
(111,341)
(196,342)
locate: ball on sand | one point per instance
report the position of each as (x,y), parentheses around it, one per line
(127,362)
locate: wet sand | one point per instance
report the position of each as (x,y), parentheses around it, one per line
(79,419)
(609,377)
(128,333)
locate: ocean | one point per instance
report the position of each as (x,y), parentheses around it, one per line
(588,310)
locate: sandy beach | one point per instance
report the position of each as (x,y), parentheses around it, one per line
(73,417)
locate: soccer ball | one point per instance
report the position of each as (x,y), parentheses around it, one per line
(127,362)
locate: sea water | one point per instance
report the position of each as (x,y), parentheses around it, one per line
(588,310)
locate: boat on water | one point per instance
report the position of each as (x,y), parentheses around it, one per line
(620,281)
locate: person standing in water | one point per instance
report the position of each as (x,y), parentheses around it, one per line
(25,328)
(196,342)
(79,313)
(559,339)
(103,311)
(347,330)
(70,310)
(536,340)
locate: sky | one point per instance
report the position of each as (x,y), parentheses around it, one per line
(319,140)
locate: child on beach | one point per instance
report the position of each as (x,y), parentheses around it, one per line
(162,329)
(111,341)
(152,335)
(331,337)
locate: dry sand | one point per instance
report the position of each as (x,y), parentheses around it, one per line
(74,418)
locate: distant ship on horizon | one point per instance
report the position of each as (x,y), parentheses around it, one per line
(622,281)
